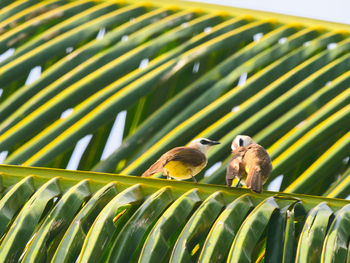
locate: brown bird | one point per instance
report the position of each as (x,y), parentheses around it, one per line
(182,162)
(250,163)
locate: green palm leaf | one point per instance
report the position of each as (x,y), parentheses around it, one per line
(155,219)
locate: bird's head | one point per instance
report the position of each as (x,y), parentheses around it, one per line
(241,141)
(202,144)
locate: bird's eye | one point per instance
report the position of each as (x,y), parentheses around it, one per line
(204,142)
(241,142)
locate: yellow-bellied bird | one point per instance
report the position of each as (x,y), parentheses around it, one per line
(183,162)
(250,163)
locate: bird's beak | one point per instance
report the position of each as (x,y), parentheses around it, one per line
(214,143)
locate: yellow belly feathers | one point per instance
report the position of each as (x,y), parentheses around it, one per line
(179,171)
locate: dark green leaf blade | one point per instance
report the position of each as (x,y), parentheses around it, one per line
(13,200)
(165,232)
(23,226)
(72,242)
(109,223)
(250,232)
(314,231)
(129,242)
(192,237)
(56,222)
(337,239)
(217,245)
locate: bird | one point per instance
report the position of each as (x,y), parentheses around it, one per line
(183,162)
(250,163)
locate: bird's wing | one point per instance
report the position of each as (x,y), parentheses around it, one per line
(232,169)
(258,166)
(186,155)
(256,155)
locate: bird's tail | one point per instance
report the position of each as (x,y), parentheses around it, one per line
(155,168)
(146,174)
(254,180)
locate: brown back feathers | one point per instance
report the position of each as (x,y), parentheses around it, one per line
(252,164)
(187,155)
